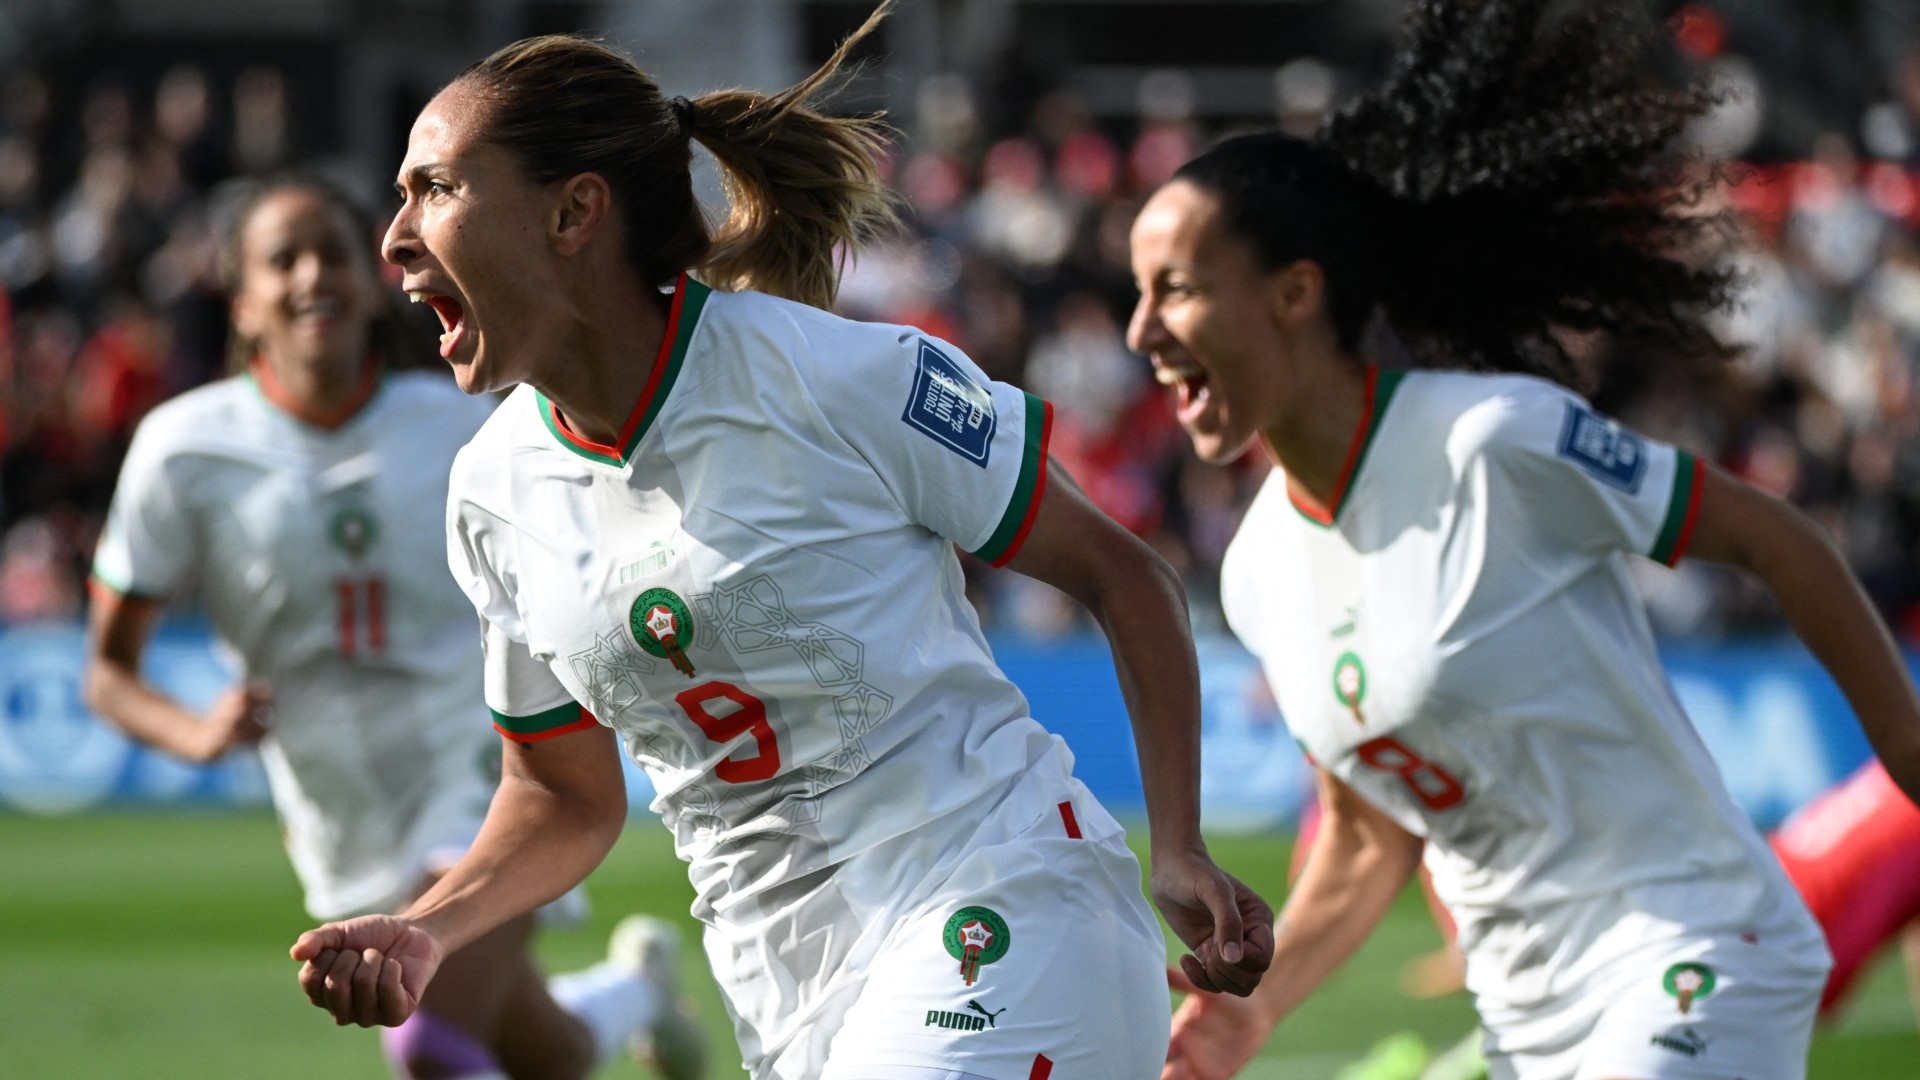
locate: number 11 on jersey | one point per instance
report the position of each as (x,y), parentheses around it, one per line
(362,615)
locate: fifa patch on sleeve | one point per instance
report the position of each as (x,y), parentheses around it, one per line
(949,407)
(1603,448)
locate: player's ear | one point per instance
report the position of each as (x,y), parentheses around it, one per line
(582,205)
(1297,292)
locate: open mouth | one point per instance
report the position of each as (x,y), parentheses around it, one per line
(453,319)
(1189,382)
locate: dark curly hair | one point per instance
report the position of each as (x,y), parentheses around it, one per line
(1514,176)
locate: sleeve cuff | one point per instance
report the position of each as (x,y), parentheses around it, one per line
(1683,509)
(1028,490)
(100,583)
(560,720)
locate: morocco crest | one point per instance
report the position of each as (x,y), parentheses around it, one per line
(976,936)
(662,624)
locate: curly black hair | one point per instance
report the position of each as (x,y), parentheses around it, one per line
(1513,177)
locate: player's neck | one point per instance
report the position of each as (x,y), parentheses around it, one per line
(326,394)
(607,354)
(1313,439)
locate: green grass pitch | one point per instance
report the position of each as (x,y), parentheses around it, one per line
(154,945)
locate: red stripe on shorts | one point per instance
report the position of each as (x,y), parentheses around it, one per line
(1042,1068)
(1067,818)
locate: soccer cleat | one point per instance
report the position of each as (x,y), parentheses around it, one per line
(673,1044)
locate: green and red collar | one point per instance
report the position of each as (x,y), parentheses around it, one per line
(689,297)
(260,374)
(1379,391)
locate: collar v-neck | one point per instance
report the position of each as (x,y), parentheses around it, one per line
(269,388)
(689,297)
(1379,391)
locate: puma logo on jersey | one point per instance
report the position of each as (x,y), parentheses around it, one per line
(954,1021)
(982,1010)
(1688,1042)
(654,561)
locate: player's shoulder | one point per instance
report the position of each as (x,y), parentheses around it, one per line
(215,411)
(1482,412)
(818,343)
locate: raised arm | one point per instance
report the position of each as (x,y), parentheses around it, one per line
(118,628)
(1741,526)
(1139,601)
(1359,863)
(560,806)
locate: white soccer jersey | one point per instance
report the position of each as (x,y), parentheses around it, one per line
(757,589)
(319,557)
(1456,638)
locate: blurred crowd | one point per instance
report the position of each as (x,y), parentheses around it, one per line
(1017,253)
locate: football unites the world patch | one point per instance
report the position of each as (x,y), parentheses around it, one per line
(662,624)
(1687,983)
(1603,448)
(976,936)
(950,407)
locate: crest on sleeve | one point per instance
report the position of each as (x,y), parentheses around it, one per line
(950,407)
(1603,448)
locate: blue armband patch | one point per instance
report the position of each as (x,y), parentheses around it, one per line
(950,407)
(1603,448)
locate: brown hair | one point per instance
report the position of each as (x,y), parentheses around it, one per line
(396,338)
(802,185)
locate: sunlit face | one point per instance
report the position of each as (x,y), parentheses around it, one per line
(471,235)
(1206,318)
(307,292)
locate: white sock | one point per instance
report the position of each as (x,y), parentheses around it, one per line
(613,1002)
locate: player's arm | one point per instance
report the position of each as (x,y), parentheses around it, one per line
(1360,862)
(118,629)
(1739,525)
(559,808)
(1140,603)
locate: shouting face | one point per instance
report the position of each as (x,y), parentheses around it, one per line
(1206,319)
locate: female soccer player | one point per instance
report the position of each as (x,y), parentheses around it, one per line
(720,526)
(303,501)
(1434,575)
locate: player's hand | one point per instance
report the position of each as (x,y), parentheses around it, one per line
(1214,1035)
(238,718)
(1228,927)
(367,971)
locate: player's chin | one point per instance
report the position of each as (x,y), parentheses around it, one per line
(1217,446)
(471,375)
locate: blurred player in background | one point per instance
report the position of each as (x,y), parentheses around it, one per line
(1854,854)
(1434,575)
(720,525)
(303,502)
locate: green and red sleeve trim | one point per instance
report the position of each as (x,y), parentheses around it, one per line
(689,298)
(1028,490)
(560,720)
(1683,509)
(1380,387)
(98,582)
